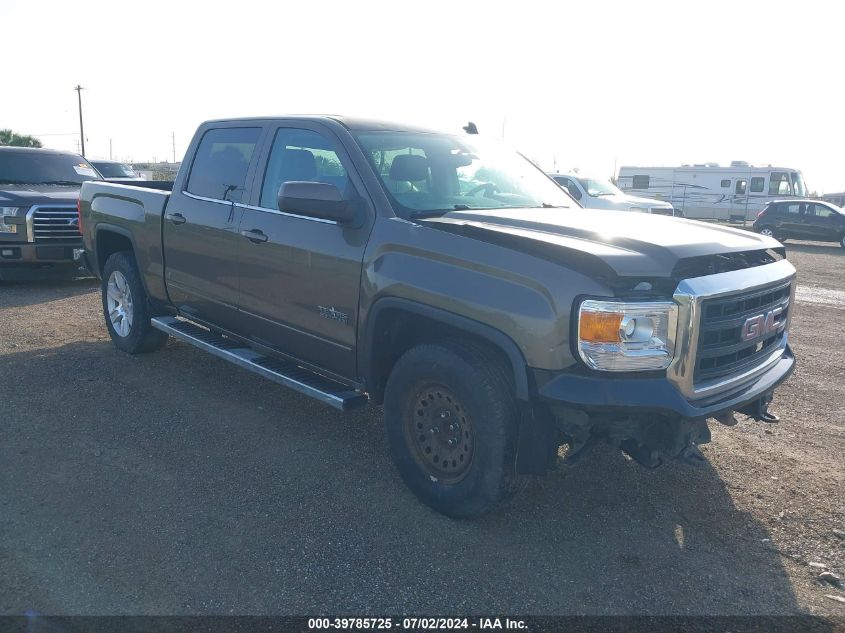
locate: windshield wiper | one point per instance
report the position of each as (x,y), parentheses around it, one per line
(546,205)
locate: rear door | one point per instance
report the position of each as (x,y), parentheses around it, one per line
(792,223)
(300,277)
(200,230)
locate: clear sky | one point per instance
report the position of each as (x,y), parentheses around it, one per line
(572,84)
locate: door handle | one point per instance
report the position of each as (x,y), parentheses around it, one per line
(176,218)
(255,236)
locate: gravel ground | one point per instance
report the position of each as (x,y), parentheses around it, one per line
(174,483)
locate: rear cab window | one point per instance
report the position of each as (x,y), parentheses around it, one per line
(221,163)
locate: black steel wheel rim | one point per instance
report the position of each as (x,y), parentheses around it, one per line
(439,431)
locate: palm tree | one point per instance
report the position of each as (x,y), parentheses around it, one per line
(7,137)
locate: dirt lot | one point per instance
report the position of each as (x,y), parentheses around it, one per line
(173,483)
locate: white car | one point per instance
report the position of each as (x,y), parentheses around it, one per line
(596,193)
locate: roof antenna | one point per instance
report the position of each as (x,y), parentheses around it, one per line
(470,128)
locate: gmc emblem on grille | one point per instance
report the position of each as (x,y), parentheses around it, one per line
(761,325)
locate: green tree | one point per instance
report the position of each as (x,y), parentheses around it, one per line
(7,137)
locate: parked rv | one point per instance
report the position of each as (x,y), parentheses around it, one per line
(713,192)
(599,193)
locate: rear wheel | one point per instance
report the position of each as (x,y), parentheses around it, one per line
(842,241)
(125,307)
(452,421)
(767,231)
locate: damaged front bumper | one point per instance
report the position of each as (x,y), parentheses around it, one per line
(649,418)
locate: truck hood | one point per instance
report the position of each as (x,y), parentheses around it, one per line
(619,243)
(28,195)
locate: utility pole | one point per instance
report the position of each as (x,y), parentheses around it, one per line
(79,90)
(173,140)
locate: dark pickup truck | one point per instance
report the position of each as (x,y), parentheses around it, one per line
(451,280)
(38,217)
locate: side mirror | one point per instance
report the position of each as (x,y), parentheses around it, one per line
(315,200)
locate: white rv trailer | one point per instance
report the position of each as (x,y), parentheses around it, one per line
(713,192)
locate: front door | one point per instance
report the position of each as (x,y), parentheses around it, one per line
(819,223)
(200,231)
(300,277)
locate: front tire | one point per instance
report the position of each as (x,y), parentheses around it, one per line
(452,424)
(125,307)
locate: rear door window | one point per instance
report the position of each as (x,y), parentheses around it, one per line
(741,186)
(757,184)
(221,163)
(570,186)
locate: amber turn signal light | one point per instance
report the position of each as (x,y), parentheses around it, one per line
(600,327)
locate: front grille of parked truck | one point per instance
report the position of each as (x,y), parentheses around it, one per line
(713,357)
(721,348)
(55,225)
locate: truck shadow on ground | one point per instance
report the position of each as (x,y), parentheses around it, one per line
(175,483)
(17,294)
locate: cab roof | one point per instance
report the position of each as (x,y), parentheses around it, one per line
(354,124)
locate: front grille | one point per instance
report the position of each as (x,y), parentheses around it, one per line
(57,225)
(721,350)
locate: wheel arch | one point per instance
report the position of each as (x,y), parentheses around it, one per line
(404,323)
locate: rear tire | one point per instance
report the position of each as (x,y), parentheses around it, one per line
(125,307)
(842,241)
(452,423)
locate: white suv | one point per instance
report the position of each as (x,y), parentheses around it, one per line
(596,193)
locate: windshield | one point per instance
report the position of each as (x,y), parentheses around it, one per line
(115,170)
(435,173)
(798,186)
(597,188)
(33,167)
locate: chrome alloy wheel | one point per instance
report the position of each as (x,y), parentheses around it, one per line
(767,232)
(119,303)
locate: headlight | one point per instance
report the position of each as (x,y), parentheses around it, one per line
(10,211)
(621,336)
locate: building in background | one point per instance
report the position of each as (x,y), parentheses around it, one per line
(157,171)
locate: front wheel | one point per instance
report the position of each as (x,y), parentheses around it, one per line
(125,307)
(452,423)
